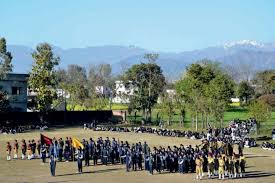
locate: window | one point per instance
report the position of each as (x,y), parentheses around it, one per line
(15,90)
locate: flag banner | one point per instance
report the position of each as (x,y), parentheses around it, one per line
(76,143)
(45,140)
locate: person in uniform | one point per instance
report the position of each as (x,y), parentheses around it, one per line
(52,163)
(221,167)
(15,149)
(242,165)
(210,160)
(23,149)
(180,162)
(128,161)
(236,165)
(198,162)
(79,160)
(8,151)
(29,150)
(216,165)
(151,164)
(231,167)
(43,153)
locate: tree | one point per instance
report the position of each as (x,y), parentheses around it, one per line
(245,91)
(167,107)
(206,91)
(265,82)
(148,82)
(5,59)
(43,76)
(219,91)
(260,111)
(4,102)
(151,57)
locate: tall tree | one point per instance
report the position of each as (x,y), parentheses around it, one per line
(245,91)
(5,59)
(265,82)
(43,76)
(148,82)
(260,111)
(167,107)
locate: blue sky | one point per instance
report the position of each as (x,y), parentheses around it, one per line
(165,25)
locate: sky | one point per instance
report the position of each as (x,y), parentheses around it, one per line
(161,25)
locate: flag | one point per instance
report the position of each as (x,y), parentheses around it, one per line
(76,143)
(45,140)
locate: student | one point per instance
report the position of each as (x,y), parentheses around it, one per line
(236,164)
(242,165)
(79,160)
(15,149)
(43,153)
(151,164)
(8,151)
(221,167)
(198,162)
(29,150)
(52,163)
(23,149)
(128,161)
(210,160)
(231,167)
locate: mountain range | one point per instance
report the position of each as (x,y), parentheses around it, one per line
(241,55)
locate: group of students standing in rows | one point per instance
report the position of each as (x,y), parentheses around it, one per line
(211,158)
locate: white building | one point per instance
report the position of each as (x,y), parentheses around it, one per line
(122,94)
(103,90)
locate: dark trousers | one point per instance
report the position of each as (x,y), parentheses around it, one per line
(79,165)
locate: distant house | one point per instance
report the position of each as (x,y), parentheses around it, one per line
(122,93)
(15,85)
(103,90)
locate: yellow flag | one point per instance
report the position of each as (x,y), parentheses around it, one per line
(76,143)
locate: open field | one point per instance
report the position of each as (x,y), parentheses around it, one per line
(260,163)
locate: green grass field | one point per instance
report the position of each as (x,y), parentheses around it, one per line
(230,114)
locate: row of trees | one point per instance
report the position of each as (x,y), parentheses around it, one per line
(204,91)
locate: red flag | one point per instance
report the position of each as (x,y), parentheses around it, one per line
(45,140)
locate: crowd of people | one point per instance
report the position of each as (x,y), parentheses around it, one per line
(213,158)
(12,130)
(237,132)
(268,146)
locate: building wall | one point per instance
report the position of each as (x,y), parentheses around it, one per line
(16,87)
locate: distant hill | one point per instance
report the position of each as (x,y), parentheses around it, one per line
(257,56)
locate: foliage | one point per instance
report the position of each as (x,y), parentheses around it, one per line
(148,82)
(205,90)
(268,99)
(266,81)
(43,76)
(5,59)
(245,91)
(4,102)
(260,111)
(167,107)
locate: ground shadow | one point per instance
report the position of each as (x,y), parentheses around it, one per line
(88,172)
